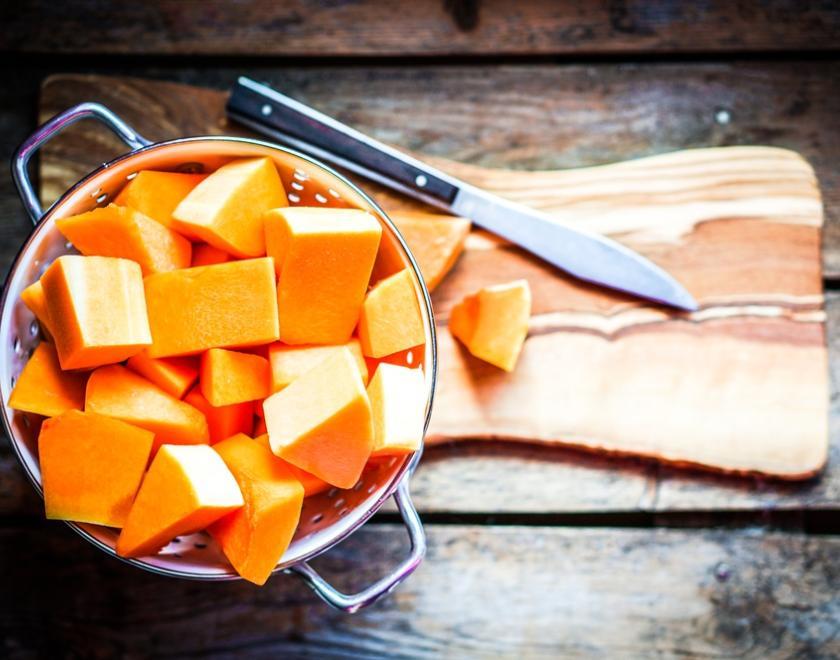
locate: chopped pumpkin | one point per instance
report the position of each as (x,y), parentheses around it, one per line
(118,392)
(255,537)
(324,258)
(312,485)
(391,320)
(322,422)
(493,322)
(226,209)
(229,377)
(291,362)
(156,194)
(44,389)
(119,231)
(186,489)
(435,240)
(224,305)
(207,255)
(397,399)
(33,297)
(222,421)
(97,310)
(91,467)
(172,375)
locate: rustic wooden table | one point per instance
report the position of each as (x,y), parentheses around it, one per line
(533,551)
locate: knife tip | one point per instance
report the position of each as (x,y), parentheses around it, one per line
(682,299)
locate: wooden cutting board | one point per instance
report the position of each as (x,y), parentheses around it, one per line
(741,385)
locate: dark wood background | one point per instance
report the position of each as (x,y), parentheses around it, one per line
(647,561)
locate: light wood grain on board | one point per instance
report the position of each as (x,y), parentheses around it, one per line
(741,385)
(481,592)
(421,27)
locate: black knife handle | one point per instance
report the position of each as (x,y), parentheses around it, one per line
(267,110)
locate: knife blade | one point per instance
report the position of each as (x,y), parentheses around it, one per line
(587,256)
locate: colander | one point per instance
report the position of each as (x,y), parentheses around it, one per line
(327,518)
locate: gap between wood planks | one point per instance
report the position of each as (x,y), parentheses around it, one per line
(116,63)
(821,523)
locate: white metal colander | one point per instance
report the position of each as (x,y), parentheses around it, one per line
(327,518)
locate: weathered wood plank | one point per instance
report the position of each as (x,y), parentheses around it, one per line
(422,27)
(481,592)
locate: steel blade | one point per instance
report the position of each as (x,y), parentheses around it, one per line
(587,256)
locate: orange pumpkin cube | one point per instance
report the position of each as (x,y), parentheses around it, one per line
(255,537)
(222,421)
(391,319)
(312,485)
(207,255)
(324,258)
(118,392)
(435,240)
(291,362)
(398,401)
(322,422)
(224,305)
(91,467)
(33,297)
(96,309)
(173,375)
(493,322)
(44,389)
(229,377)
(156,194)
(119,231)
(186,489)
(226,209)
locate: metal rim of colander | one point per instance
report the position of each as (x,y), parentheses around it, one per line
(399,476)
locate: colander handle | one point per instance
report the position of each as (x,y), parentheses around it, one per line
(354,602)
(44,133)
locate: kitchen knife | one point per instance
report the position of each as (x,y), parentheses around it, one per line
(587,256)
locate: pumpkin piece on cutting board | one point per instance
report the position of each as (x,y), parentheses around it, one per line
(390,319)
(187,488)
(493,322)
(97,310)
(435,240)
(119,231)
(229,377)
(322,422)
(44,389)
(226,209)
(118,392)
(312,485)
(254,537)
(91,467)
(222,421)
(291,362)
(207,255)
(398,401)
(157,194)
(173,375)
(220,306)
(324,258)
(33,297)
